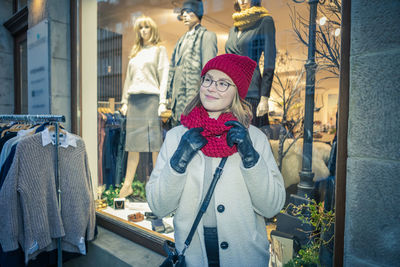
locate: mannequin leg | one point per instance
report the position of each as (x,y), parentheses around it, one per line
(154,156)
(133,161)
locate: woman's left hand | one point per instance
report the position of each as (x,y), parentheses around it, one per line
(239,135)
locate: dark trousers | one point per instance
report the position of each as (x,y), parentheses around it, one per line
(212,248)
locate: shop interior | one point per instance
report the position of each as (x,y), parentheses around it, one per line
(115,37)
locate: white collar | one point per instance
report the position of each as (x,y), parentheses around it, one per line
(191,32)
(25,132)
(65,140)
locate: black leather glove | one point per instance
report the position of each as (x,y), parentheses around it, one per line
(191,142)
(239,135)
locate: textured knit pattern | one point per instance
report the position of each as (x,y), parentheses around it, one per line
(147,73)
(239,68)
(215,131)
(190,54)
(28,199)
(249,17)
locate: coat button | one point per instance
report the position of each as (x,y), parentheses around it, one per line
(224,245)
(220,208)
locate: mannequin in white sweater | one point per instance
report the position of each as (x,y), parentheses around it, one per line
(147,75)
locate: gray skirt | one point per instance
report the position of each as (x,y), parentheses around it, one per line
(143,126)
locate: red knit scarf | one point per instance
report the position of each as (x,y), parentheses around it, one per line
(215,131)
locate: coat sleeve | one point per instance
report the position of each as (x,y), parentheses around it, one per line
(10,219)
(171,72)
(209,47)
(165,187)
(264,181)
(90,231)
(163,67)
(268,31)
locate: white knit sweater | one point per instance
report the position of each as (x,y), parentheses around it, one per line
(147,73)
(30,216)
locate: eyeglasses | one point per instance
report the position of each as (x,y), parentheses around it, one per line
(221,85)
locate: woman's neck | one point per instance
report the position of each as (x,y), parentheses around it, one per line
(214,115)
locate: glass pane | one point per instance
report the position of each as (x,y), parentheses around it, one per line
(128,145)
(21,4)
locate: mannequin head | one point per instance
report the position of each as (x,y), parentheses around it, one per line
(191,12)
(241,5)
(146,33)
(189,18)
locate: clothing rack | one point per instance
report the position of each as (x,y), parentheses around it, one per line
(54,119)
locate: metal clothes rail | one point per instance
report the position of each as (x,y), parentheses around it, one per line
(54,119)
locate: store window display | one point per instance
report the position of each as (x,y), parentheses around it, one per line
(191,53)
(253,33)
(188,43)
(144,97)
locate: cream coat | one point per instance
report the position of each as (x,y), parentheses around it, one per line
(248,195)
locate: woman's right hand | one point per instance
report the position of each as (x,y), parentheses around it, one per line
(191,142)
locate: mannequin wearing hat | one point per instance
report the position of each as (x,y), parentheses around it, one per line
(253,34)
(191,53)
(216,124)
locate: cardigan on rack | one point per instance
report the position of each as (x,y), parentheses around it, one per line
(28,199)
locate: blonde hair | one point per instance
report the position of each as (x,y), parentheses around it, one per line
(139,43)
(239,107)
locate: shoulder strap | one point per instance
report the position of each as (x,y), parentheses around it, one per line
(205,203)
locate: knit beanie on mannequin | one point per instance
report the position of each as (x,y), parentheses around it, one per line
(239,68)
(195,6)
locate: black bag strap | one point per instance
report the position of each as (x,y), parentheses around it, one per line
(205,203)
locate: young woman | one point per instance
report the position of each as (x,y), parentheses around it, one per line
(144,96)
(215,124)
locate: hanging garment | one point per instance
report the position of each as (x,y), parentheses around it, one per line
(28,198)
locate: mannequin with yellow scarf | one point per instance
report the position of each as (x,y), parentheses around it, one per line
(253,34)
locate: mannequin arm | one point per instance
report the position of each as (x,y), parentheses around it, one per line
(161,108)
(262,107)
(124,109)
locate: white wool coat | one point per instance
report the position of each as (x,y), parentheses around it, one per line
(247,195)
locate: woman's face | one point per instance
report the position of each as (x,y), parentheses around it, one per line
(244,4)
(145,32)
(213,99)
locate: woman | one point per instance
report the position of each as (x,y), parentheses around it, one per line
(252,35)
(215,125)
(144,97)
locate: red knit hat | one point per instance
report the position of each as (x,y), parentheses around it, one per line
(239,68)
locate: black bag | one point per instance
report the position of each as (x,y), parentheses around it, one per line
(174,258)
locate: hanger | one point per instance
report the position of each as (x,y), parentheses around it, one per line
(52,128)
(15,128)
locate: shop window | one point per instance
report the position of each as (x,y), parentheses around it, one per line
(127,149)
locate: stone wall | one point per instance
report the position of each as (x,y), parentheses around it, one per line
(6,61)
(58,14)
(372,228)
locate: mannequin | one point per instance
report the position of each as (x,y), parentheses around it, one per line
(144,97)
(253,34)
(192,51)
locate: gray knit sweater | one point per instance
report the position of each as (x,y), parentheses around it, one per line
(28,199)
